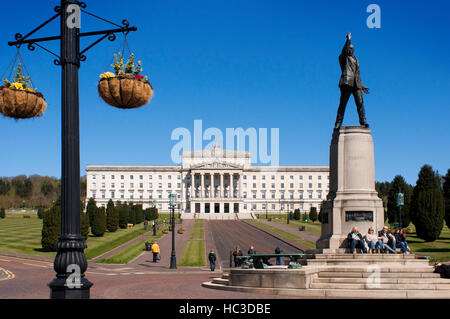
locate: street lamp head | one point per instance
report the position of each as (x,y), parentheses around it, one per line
(173,199)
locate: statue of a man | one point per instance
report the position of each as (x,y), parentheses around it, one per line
(350,83)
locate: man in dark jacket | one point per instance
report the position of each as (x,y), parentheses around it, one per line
(251,251)
(350,83)
(212,260)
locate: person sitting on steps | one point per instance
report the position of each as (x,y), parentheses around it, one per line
(388,240)
(355,240)
(372,240)
(400,239)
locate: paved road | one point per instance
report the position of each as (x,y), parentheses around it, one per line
(30,278)
(229,234)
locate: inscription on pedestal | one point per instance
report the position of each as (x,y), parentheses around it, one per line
(359,216)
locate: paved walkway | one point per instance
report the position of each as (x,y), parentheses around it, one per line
(145,260)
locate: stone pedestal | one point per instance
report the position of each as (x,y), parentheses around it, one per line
(352,199)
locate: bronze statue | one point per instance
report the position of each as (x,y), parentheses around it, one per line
(350,83)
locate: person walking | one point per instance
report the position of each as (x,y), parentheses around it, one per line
(145,224)
(156,252)
(212,260)
(278,251)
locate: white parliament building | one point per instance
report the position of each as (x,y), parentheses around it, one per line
(212,184)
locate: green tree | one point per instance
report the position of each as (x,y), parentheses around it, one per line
(138,214)
(313,214)
(46,188)
(112,217)
(297,214)
(446,189)
(427,205)
(123,215)
(99,223)
(131,213)
(84,225)
(91,209)
(2,213)
(399,184)
(51,227)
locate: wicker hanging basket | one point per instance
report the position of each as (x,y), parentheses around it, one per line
(21,104)
(125,92)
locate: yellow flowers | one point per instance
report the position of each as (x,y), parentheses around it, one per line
(17,86)
(107,75)
(30,90)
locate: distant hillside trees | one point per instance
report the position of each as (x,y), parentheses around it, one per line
(23,186)
(5,186)
(47,188)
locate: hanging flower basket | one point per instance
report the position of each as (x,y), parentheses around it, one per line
(126,89)
(19,101)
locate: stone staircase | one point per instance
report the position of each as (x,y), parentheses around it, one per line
(360,276)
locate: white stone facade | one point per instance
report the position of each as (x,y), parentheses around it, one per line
(212,184)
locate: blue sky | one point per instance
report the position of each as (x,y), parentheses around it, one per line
(261,64)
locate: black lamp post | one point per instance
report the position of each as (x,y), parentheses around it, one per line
(400,203)
(288,214)
(70,262)
(173,257)
(154,221)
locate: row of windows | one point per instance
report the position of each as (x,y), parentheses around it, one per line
(131,195)
(170,177)
(140,177)
(141,185)
(291,185)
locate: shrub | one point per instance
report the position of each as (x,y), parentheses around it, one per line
(138,214)
(99,223)
(2,213)
(51,227)
(297,214)
(91,210)
(446,188)
(112,217)
(84,225)
(26,216)
(40,212)
(313,214)
(427,205)
(123,215)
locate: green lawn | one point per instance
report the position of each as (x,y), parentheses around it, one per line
(129,253)
(438,250)
(193,254)
(194,251)
(23,235)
